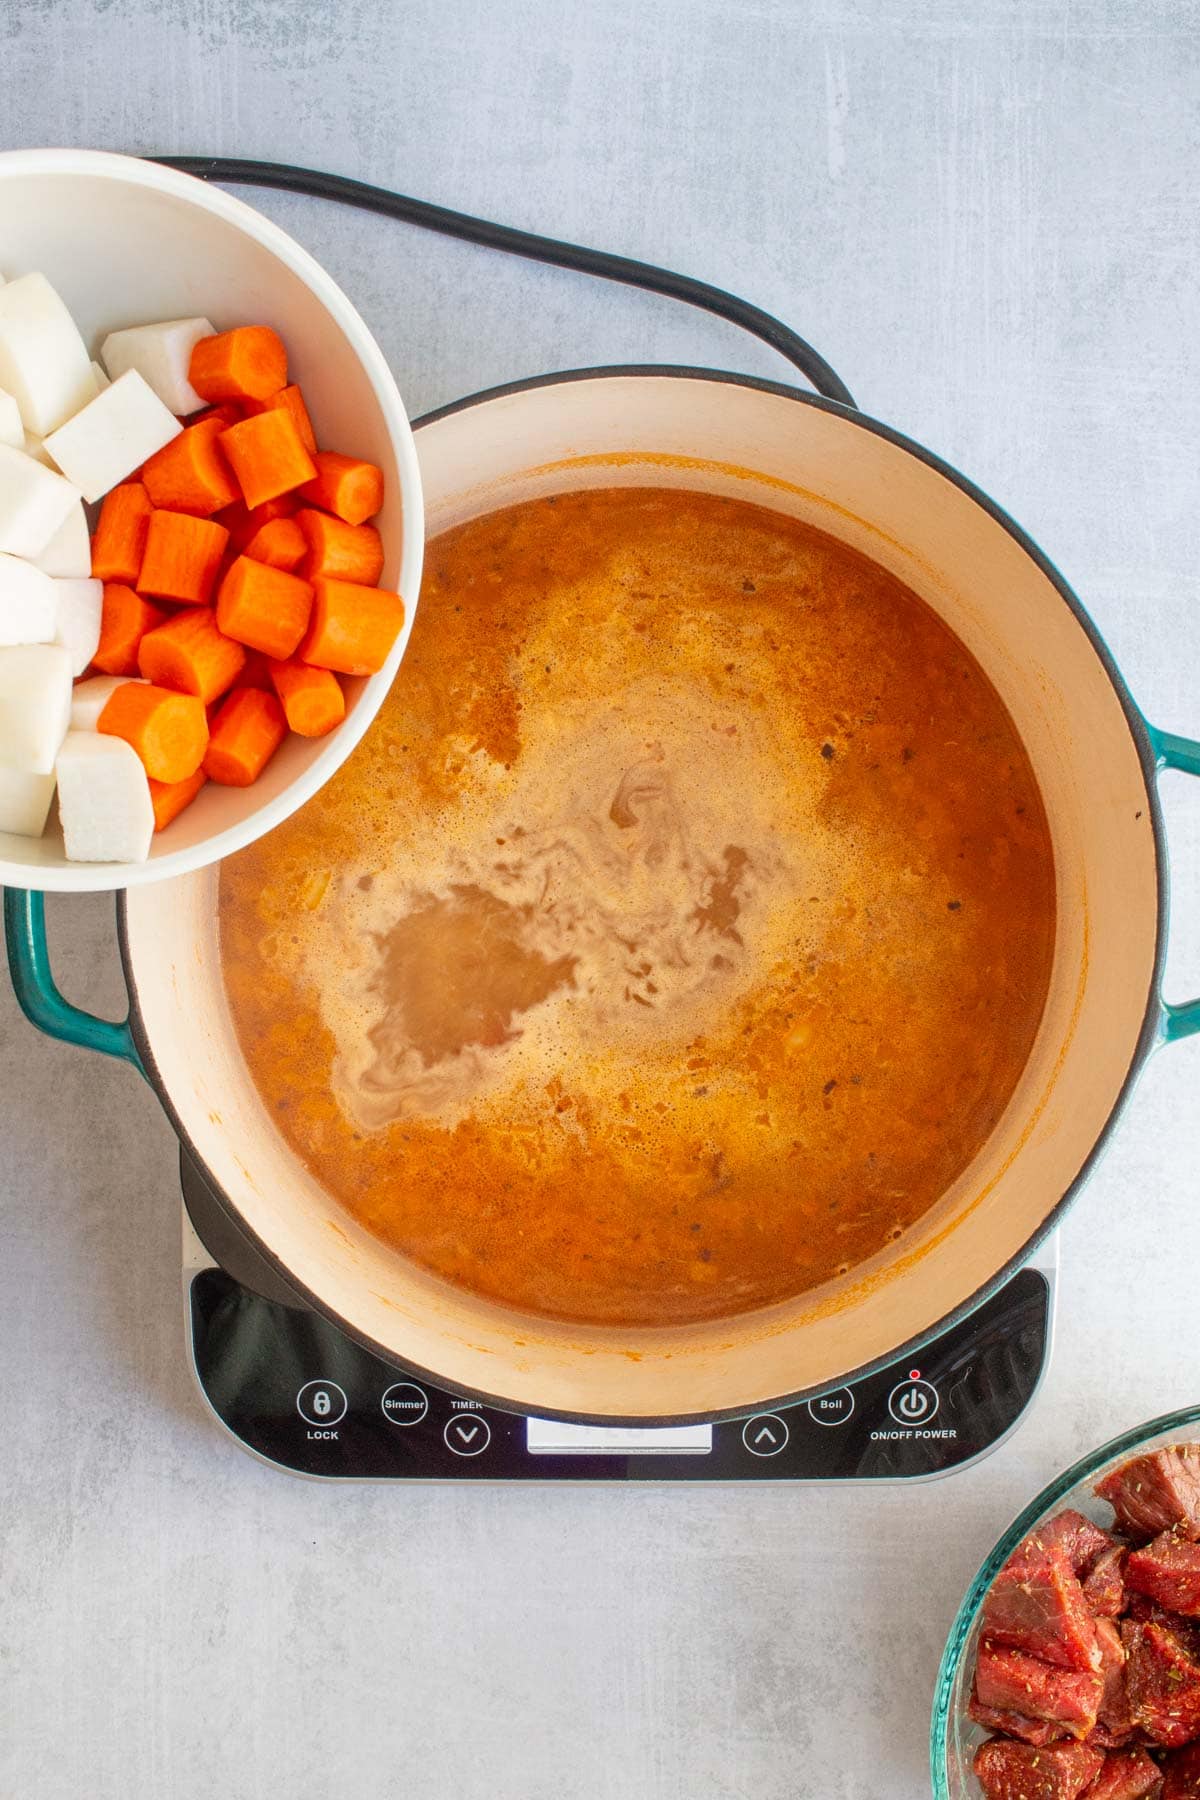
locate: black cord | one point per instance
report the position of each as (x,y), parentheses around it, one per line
(236,170)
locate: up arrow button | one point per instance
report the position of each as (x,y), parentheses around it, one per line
(765,1434)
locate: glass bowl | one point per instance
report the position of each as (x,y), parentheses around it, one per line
(954,1737)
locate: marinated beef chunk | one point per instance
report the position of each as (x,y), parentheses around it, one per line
(1081,1541)
(1012,1681)
(1168,1571)
(1157,1492)
(1104,1584)
(1103,1737)
(1022,1772)
(1126,1775)
(1114,1700)
(1018,1725)
(1036,1604)
(1149,1612)
(1181,1775)
(1163,1684)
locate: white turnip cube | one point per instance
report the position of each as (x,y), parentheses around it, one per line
(161,354)
(34,501)
(101,374)
(11,429)
(35,705)
(24,801)
(44,362)
(89,699)
(77,620)
(103,800)
(35,447)
(112,436)
(28,608)
(69,551)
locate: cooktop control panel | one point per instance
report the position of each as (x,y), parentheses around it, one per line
(296,1391)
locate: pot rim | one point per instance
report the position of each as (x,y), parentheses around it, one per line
(1147,1039)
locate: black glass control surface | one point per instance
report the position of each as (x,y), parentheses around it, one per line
(299,1392)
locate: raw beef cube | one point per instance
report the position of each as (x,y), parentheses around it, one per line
(1017,1725)
(1023,1772)
(1013,1681)
(1127,1775)
(1149,1612)
(1181,1774)
(1114,1702)
(1080,1539)
(1103,1737)
(1158,1492)
(1163,1684)
(1036,1604)
(1104,1586)
(1168,1570)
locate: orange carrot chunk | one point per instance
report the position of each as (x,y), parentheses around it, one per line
(229,412)
(264,608)
(280,543)
(246,733)
(256,672)
(345,486)
(191,656)
(313,701)
(340,551)
(267,456)
(190,473)
(170,797)
(243,523)
(168,730)
(182,557)
(125,618)
(249,363)
(352,628)
(291,400)
(121,533)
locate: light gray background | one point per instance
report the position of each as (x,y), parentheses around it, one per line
(985,215)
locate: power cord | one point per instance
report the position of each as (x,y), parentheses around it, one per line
(238,171)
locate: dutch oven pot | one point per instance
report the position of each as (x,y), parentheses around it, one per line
(1095,757)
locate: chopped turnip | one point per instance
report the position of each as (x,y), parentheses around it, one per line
(34,501)
(24,801)
(112,436)
(69,551)
(89,699)
(103,800)
(79,605)
(35,705)
(28,609)
(44,362)
(11,429)
(35,447)
(103,379)
(161,355)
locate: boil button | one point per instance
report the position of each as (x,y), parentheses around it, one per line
(914,1402)
(832,1409)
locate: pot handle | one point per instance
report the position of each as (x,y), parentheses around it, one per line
(1171,752)
(37,991)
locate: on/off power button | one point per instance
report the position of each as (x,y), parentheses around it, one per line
(913,1402)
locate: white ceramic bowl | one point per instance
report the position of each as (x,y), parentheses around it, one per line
(126,242)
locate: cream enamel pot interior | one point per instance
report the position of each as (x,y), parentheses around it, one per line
(1095,758)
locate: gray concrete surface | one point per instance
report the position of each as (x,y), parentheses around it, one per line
(985,215)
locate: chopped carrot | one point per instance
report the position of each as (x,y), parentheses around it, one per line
(313,701)
(229,412)
(170,797)
(291,400)
(346,486)
(168,730)
(182,557)
(191,656)
(256,672)
(340,551)
(249,363)
(280,544)
(247,732)
(190,474)
(267,456)
(266,609)
(121,533)
(352,628)
(125,618)
(242,522)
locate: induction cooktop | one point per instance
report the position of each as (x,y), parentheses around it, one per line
(298,1393)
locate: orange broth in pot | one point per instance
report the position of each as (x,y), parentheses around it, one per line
(679,931)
